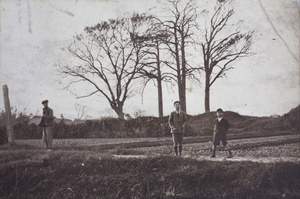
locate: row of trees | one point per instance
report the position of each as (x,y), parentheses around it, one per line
(114,56)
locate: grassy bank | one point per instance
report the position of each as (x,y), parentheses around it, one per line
(90,175)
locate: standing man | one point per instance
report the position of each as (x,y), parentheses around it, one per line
(47,125)
(221,126)
(177,121)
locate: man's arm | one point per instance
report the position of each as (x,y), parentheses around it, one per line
(215,125)
(227,125)
(171,123)
(184,119)
(51,114)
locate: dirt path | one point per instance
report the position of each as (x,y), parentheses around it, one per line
(264,150)
(252,159)
(233,159)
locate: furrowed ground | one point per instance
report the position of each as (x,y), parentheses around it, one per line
(266,167)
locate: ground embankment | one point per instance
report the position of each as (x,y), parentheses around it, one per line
(95,176)
(266,167)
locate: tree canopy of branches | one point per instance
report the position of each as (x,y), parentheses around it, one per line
(107,58)
(179,22)
(222,47)
(154,61)
(110,58)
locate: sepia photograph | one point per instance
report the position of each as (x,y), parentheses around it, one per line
(140,99)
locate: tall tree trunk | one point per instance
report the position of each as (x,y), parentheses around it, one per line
(183,66)
(182,97)
(120,113)
(10,131)
(160,98)
(119,110)
(179,71)
(159,85)
(207,87)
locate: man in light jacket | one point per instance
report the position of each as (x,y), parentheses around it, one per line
(177,121)
(47,125)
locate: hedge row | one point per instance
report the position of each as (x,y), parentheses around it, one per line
(107,128)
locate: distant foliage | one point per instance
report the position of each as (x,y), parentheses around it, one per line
(27,131)
(105,128)
(3,135)
(200,125)
(291,120)
(21,127)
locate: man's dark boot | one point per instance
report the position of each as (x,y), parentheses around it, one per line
(175,149)
(230,154)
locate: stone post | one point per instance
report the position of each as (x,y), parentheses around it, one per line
(9,126)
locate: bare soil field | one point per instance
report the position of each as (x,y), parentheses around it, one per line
(266,149)
(266,167)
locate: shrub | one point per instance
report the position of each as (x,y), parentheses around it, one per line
(27,131)
(3,135)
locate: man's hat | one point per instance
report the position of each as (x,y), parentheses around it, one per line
(219,110)
(45,101)
(176,102)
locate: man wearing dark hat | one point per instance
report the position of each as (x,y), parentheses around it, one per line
(221,126)
(177,121)
(47,124)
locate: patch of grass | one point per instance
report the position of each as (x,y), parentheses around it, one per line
(90,175)
(121,151)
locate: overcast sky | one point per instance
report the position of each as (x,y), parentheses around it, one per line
(34,31)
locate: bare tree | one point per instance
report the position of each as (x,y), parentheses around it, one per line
(108,58)
(153,72)
(180,23)
(153,63)
(81,111)
(221,47)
